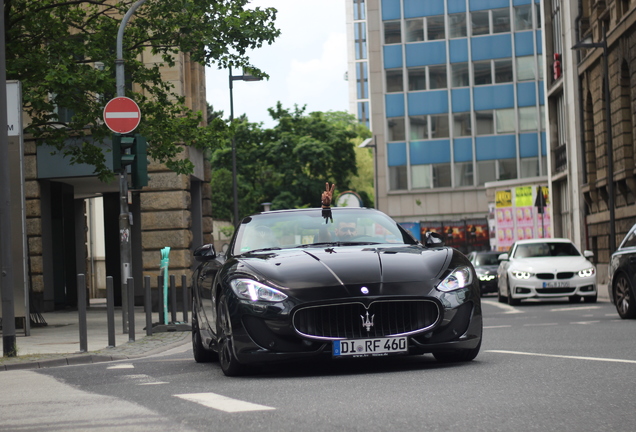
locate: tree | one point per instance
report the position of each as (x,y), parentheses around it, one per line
(288,164)
(63,52)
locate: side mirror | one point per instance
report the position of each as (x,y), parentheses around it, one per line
(588,254)
(205,253)
(503,257)
(433,239)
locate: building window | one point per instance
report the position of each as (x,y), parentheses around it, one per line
(439,126)
(394,81)
(362,81)
(463,174)
(506,169)
(397,177)
(396,129)
(392,32)
(505,119)
(485,122)
(460,76)
(415,30)
(503,71)
(526,68)
(523,17)
(435,28)
(490,21)
(431,176)
(359,11)
(482,72)
(418,127)
(360,30)
(528,120)
(529,167)
(436,78)
(486,171)
(457,25)
(461,124)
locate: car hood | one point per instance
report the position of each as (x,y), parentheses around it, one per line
(333,272)
(551,264)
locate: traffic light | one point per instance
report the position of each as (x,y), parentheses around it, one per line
(140,164)
(130,150)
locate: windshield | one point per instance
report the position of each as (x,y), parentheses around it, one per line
(487,259)
(545,249)
(308,227)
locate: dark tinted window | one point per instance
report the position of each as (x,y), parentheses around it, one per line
(545,249)
(487,259)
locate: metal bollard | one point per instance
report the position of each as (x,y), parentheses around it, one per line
(148,305)
(173,298)
(184,295)
(81,309)
(160,306)
(110,311)
(131,309)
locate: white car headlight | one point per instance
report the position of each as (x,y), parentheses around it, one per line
(460,278)
(519,274)
(587,272)
(249,289)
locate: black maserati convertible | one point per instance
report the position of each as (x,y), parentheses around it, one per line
(341,284)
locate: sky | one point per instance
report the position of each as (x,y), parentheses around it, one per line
(307,64)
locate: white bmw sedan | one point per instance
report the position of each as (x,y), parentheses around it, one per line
(546,268)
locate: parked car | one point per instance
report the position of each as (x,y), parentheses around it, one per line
(622,276)
(347,284)
(546,268)
(486,264)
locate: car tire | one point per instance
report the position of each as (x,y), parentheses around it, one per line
(512,301)
(624,298)
(457,356)
(500,298)
(200,353)
(227,359)
(574,299)
(590,299)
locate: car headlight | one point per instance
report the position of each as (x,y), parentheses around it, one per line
(519,274)
(249,289)
(587,272)
(460,278)
(486,277)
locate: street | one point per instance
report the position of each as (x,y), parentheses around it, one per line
(544,365)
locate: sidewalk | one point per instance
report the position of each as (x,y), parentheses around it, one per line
(58,343)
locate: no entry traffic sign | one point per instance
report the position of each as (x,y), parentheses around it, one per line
(122,115)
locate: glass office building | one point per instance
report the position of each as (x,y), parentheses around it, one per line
(453,92)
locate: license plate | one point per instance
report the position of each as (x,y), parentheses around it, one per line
(556,284)
(370,347)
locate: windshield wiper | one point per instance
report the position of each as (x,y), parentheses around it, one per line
(263,249)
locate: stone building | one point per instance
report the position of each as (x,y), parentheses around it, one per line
(173,210)
(592,129)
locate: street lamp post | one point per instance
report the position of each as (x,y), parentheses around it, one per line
(233,78)
(586,44)
(374,146)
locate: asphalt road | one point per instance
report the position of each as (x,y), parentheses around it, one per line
(545,366)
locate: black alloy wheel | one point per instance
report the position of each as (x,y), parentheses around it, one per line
(624,298)
(201,355)
(229,364)
(500,297)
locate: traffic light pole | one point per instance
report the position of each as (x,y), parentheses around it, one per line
(125,249)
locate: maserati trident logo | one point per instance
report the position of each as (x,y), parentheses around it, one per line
(367,322)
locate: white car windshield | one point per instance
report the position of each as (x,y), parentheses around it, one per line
(308,227)
(545,249)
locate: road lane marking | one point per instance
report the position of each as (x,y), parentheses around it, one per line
(509,309)
(584,322)
(222,403)
(540,324)
(574,308)
(122,366)
(501,326)
(563,356)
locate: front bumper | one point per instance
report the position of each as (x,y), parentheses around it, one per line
(537,288)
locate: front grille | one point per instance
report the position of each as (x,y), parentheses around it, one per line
(545,276)
(555,290)
(565,275)
(347,320)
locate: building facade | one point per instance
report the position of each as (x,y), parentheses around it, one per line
(453,91)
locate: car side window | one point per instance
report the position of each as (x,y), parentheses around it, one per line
(630,240)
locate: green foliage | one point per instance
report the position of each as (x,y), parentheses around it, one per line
(287,165)
(64,53)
